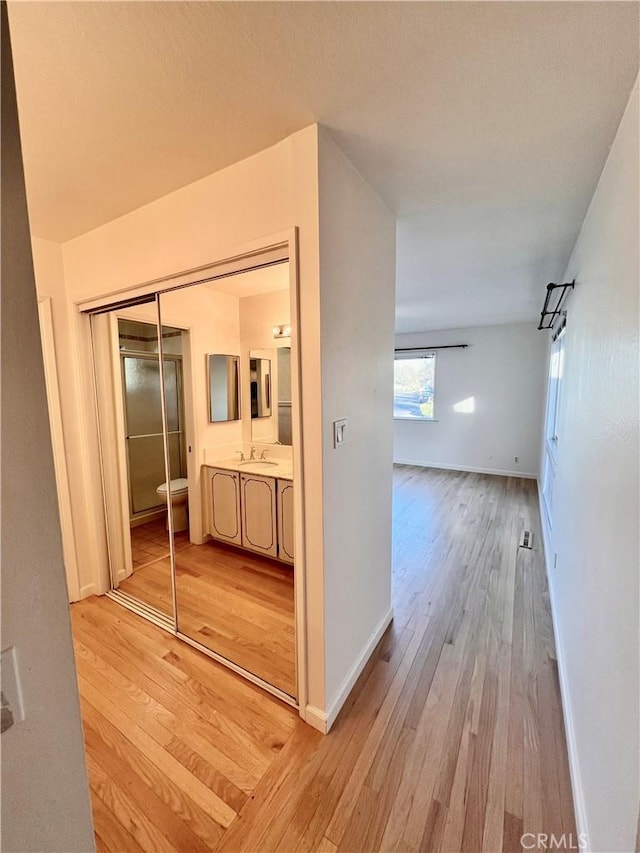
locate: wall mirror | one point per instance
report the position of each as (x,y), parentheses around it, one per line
(273,425)
(223,377)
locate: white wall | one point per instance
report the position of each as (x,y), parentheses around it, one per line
(595,506)
(45,795)
(501,378)
(357,289)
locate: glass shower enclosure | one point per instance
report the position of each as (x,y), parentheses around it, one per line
(143,424)
(129,391)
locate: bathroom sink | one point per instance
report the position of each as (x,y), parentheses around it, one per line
(258,463)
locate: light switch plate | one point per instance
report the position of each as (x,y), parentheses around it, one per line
(339,432)
(11,690)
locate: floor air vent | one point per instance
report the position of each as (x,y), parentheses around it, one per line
(527,540)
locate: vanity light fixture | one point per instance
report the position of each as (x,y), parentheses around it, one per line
(283,331)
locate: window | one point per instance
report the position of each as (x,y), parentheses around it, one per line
(414,386)
(556,369)
(554,392)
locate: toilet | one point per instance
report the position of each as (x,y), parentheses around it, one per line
(179,499)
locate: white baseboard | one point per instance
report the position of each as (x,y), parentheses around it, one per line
(569,728)
(87,590)
(352,676)
(501,472)
(316,718)
(147,517)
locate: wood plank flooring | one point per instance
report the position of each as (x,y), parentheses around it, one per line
(240,605)
(234,602)
(152,585)
(151,578)
(452,739)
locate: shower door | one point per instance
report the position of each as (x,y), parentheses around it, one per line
(143,428)
(135,457)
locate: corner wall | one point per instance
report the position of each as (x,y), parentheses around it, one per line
(498,385)
(357,292)
(45,793)
(595,585)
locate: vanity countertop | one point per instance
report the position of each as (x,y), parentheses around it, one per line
(281,469)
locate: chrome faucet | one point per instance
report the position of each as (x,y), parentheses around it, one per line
(252,454)
(263,454)
(241,455)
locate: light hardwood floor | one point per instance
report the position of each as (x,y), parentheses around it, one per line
(151,578)
(234,602)
(452,739)
(240,605)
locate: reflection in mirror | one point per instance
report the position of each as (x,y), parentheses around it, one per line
(260,384)
(232,601)
(128,387)
(224,387)
(277,429)
(284,395)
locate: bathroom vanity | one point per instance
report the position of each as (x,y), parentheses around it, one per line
(250,504)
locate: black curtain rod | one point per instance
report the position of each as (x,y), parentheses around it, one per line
(422,349)
(548,315)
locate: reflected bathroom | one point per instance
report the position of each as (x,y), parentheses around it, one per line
(199,421)
(147,485)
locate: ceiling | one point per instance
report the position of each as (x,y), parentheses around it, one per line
(484,126)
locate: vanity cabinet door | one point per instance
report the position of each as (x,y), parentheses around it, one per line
(223,494)
(285,521)
(258,503)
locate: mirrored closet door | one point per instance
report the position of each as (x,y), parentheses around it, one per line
(194,393)
(234,577)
